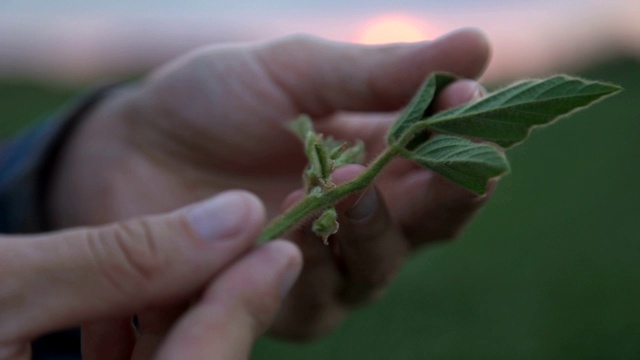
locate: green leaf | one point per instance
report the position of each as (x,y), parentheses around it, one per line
(460,160)
(335,148)
(507,116)
(301,126)
(322,161)
(417,108)
(352,155)
(326,224)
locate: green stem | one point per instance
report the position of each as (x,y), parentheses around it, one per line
(315,203)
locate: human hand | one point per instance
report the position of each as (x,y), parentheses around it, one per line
(202,252)
(213,120)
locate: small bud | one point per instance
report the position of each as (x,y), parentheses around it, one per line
(326,225)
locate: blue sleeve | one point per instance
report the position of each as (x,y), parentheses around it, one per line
(26,162)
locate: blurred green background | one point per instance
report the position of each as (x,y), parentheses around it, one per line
(550,269)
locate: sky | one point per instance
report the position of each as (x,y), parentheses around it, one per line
(186,6)
(83,40)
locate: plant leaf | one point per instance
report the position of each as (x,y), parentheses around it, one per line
(507,116)
(417,108)
(460,160)
(322,162)
(326,224)
(301,126)
(352,155)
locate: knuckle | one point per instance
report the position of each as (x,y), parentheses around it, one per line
(301,39)
(127,256)
(295,51)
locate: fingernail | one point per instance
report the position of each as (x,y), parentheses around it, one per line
(218,218)
(479,92)
(365,207)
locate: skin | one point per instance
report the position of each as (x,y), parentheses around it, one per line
(213,119)
(58,280)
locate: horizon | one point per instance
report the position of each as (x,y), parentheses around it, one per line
(105,39)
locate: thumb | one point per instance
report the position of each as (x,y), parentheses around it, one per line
(52,281)
(236,308)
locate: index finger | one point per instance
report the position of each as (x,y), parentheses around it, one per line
(321,76)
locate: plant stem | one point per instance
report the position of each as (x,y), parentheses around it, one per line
(315,203)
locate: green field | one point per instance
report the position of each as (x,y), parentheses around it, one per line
(549,270)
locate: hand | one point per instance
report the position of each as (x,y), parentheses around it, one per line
(62,279)
(213,120)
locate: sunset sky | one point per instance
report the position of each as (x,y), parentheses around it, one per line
(76,40)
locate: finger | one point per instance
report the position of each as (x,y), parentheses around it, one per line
(458,93)
(15,351)
(372,249)
(321,76)
(372,128)
(435,208)
(312,307)
(237,307)
(446,208)
(119,339)
(153,327)
(62,279)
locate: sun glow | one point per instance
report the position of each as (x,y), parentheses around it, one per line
(394,28)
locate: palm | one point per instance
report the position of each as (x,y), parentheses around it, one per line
(232,134)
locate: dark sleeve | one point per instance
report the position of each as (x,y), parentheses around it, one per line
(26,162)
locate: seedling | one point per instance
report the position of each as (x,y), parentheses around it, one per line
(463,144)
